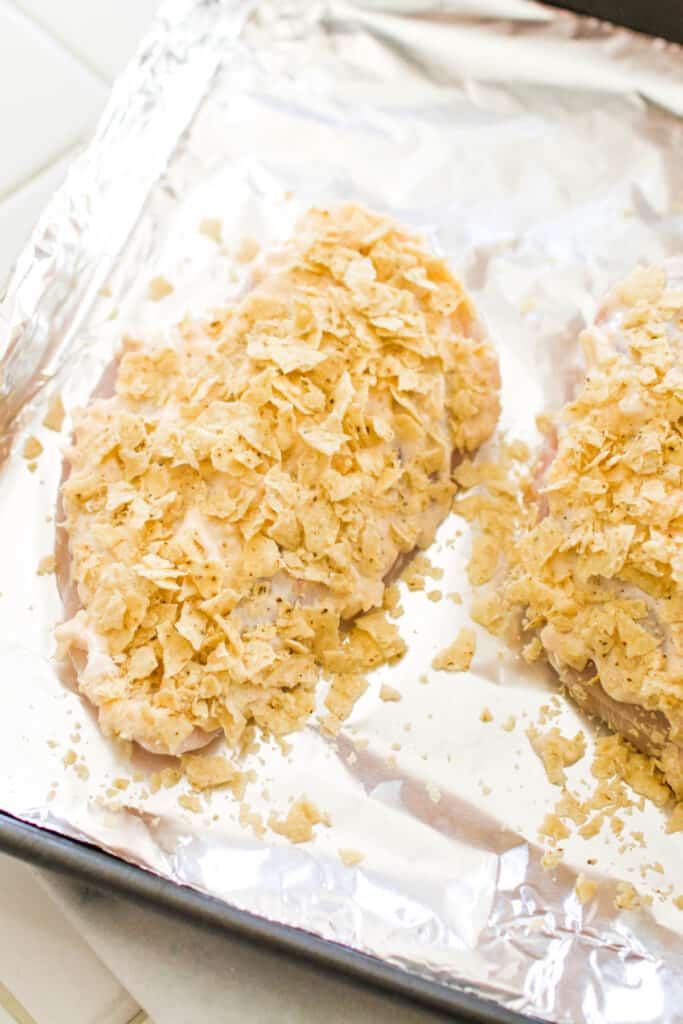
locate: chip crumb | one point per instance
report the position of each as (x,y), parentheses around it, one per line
(389,693)
(678,902)
(203,771)
(485,715)
(82,771)
(556,751)
(249,818)
(248,249)
(551,858)
(69,758)
(158,288)
(509,723)
(167,778)
(547,712)
(434,595)
(616,824)
(455,597)
(417,569)
(433,792)
(458,656)
(32,448)
(626,897)
(553,827)
(300,821)
(585,888)
(212,227)
(46,565)
(350,857)
(54,417)
(592,826)
(190,802)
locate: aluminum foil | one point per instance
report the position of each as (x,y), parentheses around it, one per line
(540,152)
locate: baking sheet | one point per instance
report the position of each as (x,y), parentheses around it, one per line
(540,152)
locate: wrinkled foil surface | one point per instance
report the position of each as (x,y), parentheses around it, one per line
(541,153)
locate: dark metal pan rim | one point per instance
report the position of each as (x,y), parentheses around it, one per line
(91,865)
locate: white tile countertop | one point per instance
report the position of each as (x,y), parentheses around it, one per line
(68,955)
(58,59)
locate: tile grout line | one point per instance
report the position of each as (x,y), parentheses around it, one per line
(8,1000)
(13,190)
(36,23)
(19,1013)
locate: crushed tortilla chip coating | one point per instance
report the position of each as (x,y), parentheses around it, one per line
(484,559)
(300,821)
(344,691)
(258,473)
(675,822)
(614,756)
(458,656)
(599,575)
